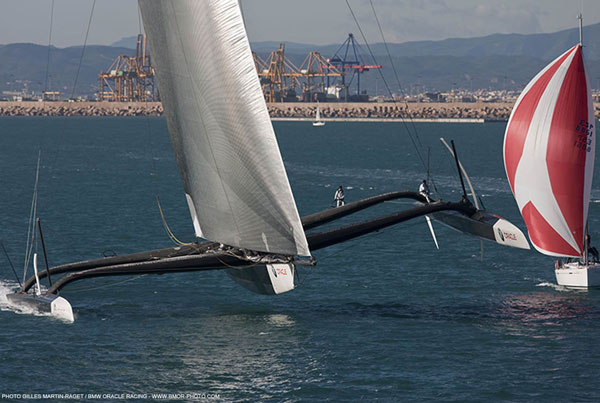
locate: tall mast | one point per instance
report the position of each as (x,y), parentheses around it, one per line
(580,18)
(462,183)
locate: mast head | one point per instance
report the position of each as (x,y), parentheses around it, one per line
(580,19)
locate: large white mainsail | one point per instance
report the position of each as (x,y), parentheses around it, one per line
(233,175)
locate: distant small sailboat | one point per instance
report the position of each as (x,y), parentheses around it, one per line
(549,148)
(318,121)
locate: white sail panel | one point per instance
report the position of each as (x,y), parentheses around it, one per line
(549,154)
(220,128)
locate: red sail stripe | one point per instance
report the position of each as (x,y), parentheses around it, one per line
(567,147)
(520,120)
(543,235)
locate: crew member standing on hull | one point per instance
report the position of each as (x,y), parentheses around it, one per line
(424,190)
(338,198)
(592,252)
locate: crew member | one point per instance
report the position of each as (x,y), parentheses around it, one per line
(338,198)
(424,190)
(591,250)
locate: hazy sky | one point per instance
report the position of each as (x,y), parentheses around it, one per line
(305,21)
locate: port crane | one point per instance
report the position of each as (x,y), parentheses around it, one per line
(129,78)
(348,58)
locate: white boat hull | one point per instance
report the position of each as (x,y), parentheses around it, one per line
(578,275)
(319,123)
(51,304)
(484,225)
(267,279)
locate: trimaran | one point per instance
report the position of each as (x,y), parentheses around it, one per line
(235,183)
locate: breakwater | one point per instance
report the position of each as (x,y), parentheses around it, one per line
(295,110)
(59,108)
(373,110)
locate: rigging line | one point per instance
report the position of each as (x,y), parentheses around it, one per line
(385,43)
(301,280)
(75,81)
(153,170)
(139,18)
(256,262)
(387,86)
(108,285)
(87,33)
(389,55)
(243,256)
(239,267)
(46,85)
(166,225)
(47,80)
(371,52)
(33,210)
(31,240)
(64,123)
(394,68)
(10,263)
(32,214)
(441,161)
(154,176)
(408,116)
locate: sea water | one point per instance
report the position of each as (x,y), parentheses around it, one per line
(384,317)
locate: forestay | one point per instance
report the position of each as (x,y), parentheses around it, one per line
(233,175)
(549,155)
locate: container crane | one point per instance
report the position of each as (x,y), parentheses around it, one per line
(348,58)
(129,78)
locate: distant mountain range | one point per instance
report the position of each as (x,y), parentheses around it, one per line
(539,46)
(23,65)
(493,62)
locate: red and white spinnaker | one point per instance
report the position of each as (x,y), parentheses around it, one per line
(549,155)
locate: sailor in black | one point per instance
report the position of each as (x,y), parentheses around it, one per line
(591,250)
(338,198)
(424,190)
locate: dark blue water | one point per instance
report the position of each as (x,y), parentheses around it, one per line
(385,317)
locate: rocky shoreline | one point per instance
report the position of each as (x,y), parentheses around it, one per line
(433,111)
(59,108)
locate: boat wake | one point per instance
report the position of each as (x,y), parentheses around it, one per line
(556,287)
(9,287)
